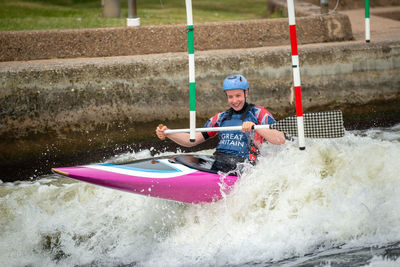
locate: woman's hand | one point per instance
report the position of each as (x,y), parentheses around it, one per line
(160,131)
(182,139)
(247,126)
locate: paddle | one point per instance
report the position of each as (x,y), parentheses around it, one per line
(327,124)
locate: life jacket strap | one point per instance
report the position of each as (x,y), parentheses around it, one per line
(249,106)
(230,113)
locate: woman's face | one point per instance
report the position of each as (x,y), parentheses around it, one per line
(236,98)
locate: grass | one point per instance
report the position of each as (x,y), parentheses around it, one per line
(73,14)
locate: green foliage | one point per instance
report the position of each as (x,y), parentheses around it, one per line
(70,14)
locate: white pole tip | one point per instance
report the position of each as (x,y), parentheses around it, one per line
(133,22)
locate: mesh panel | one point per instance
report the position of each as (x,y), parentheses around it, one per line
(327,124)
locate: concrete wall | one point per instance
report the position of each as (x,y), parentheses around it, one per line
(105,42)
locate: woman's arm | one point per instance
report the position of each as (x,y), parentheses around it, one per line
(272,136)
(182,139)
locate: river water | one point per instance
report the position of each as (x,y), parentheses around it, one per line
(335,204)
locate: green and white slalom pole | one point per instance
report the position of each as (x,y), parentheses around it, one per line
(296,74)
(367,25)
(192,83)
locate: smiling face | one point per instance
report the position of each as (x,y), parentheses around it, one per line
(236,98)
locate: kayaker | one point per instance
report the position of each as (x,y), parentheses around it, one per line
(233,146)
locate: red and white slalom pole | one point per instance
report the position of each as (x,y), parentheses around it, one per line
(296,74)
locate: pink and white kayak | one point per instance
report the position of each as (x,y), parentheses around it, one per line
(184,178)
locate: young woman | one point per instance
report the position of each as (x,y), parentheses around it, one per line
(233,146)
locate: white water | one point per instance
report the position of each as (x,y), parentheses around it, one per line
(337,194)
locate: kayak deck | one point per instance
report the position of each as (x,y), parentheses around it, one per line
(184,178)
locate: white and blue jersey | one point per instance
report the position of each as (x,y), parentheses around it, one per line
(236,142)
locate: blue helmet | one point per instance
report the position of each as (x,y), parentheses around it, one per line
(235,81)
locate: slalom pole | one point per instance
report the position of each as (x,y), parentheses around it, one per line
(296,74)
(367,25)
(192,95)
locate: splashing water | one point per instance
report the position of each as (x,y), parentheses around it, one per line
(338,195)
